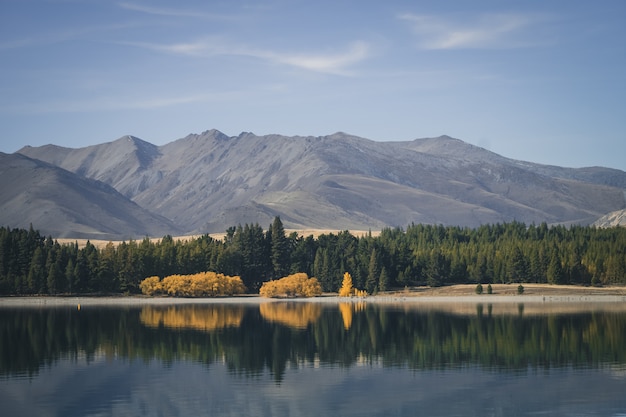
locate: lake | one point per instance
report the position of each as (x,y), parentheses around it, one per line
(314,359)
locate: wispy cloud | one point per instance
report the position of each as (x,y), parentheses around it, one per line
(477,32)
(111,103)
(162,11)
(332,62)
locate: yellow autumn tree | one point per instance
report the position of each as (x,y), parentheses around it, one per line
(295,285)
(150,285)
(203,284)
(346,286)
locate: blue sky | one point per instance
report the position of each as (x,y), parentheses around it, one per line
(542,81)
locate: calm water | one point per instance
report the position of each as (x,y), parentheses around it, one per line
(312,359)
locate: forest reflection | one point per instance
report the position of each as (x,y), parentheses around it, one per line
(272,336)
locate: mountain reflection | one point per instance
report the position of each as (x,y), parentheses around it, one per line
(273,336)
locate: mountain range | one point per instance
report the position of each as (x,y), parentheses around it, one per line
(207,182)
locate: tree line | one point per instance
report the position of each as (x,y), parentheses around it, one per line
(421,254)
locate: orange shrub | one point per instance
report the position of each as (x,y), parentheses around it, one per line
(203,284)
(296,285)
(150,286)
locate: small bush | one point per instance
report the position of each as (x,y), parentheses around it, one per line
(489,289)
(479,289)
(520,289)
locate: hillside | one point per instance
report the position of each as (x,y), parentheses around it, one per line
(210,181)
(62,204)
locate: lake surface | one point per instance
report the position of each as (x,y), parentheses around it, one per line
(313,359)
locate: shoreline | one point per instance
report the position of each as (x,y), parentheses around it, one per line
(464,294)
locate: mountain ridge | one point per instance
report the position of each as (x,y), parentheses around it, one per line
(210,181)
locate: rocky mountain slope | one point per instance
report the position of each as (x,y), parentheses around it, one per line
(208,182)
(62,204)
(613,219)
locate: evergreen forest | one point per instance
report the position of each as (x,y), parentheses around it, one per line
(433,255)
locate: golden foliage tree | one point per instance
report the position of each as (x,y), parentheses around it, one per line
(150,285)
(203,284)
(346,286)
(295,285)
(347,290)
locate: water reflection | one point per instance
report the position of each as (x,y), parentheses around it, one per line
(194,317)
(294,315)
(274,336)
(311,359)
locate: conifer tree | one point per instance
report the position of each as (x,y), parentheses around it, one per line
(373,273)
(54,277)
(383,280)
(280,249)
(36,273)
(555,270)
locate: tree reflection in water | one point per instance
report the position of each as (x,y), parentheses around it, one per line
(272,336)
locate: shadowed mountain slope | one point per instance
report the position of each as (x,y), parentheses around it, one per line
(62,204)
(208,182)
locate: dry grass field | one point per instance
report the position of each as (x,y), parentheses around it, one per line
(511,289)
(301,232)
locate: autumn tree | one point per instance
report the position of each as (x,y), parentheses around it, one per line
(295,285)
(346,286)
(203,284)
(150,286)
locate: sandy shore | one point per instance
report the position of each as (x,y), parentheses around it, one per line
(421,296)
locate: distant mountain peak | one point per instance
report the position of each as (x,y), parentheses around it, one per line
(216,134)
(208,182)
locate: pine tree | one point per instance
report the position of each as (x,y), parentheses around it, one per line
(36,273)
(280,249)
(383,280)
(373,274)
(54,277)
(69,275)
(438,269)
(555,270)
(518,266)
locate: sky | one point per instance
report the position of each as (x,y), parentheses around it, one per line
(537,80)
